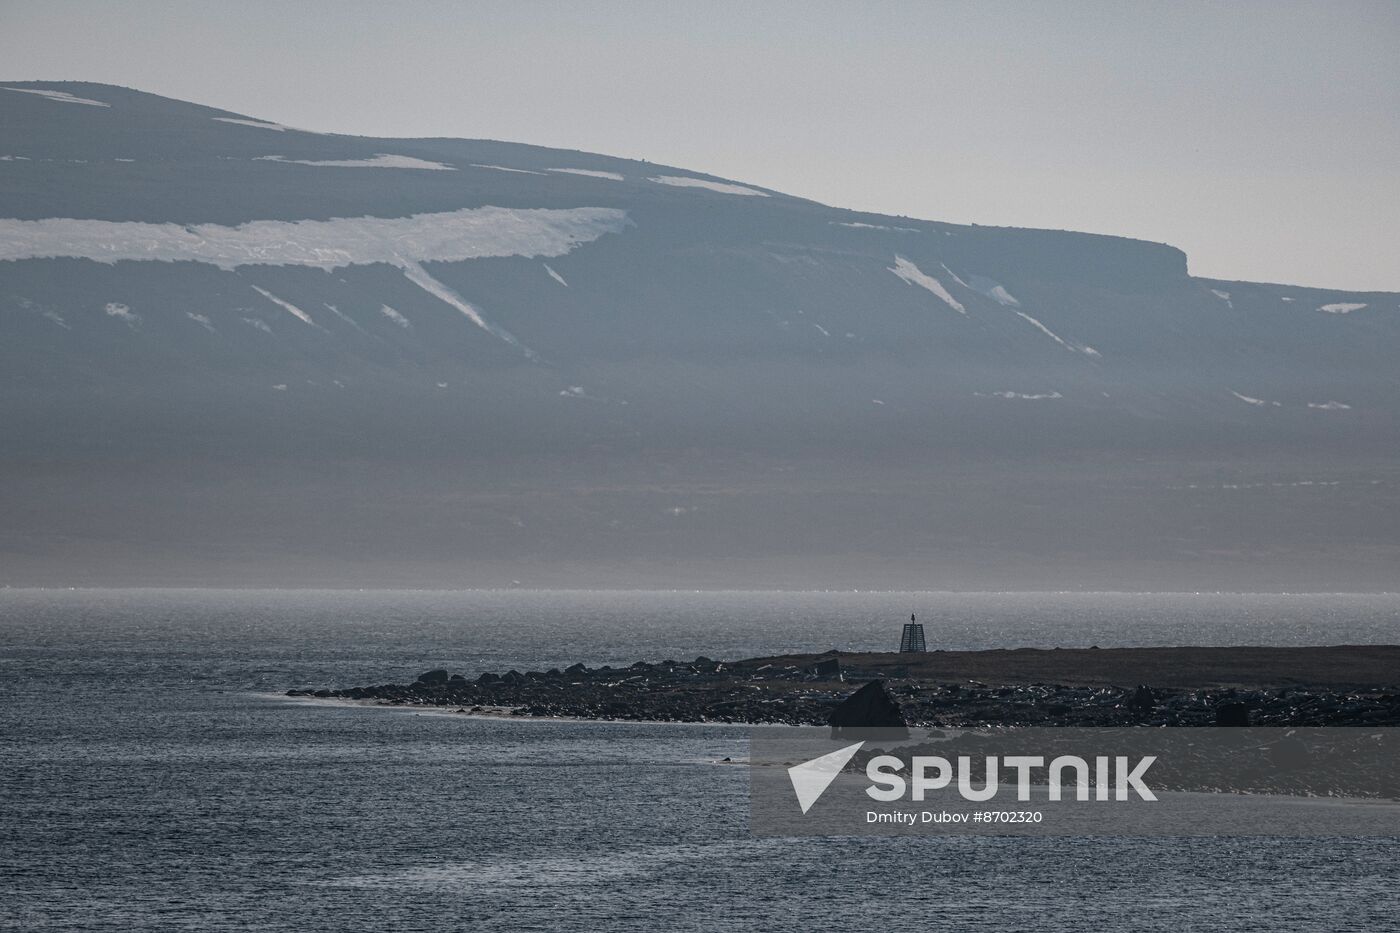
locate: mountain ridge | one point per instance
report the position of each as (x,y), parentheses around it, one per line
(184,289)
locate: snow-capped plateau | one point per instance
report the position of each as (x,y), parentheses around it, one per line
(217,330)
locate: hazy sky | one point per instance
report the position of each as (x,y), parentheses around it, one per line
(1261,137)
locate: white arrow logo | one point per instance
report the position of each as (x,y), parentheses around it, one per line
(811,778)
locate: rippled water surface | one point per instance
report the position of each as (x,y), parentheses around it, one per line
(151,779)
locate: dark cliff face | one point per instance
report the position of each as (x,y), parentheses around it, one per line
(229,349)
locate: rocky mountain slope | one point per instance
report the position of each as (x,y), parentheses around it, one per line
(233,351)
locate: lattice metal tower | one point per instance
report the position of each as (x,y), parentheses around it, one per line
(913,637)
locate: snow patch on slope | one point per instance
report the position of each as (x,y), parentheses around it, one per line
(1329,406)
(681,181)
(1071,347)
(591,173)
(993,290)
(453,236)
(856,225)
(1341,307)
(1026,396)
(259,124)
(202,321)
(393,315)
(1043,329)
(344,317)
(380,160)
(555,275)
(506,168)
(62,97)
(1223,296)
(420,277)
(1249,400)
(1000,295)
(913,275)
(955,276)
(1296,484)
(287,306)
(122,313)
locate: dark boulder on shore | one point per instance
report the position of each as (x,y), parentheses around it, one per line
(438,676)
(1232,714)
(1143,703)
(870,707)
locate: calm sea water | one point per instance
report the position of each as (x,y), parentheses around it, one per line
(151,779)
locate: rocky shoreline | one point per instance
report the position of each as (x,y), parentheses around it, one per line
(1322,686)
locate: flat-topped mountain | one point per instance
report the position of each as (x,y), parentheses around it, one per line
(232,350)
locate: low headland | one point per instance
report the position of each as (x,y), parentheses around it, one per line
(1346,685)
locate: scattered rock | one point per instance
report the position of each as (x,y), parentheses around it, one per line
(1232,714)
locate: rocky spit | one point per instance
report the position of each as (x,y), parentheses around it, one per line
(1326,686)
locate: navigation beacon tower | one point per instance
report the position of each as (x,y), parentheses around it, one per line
(913,637)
